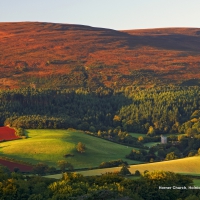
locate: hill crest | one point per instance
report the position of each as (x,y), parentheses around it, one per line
(84,56)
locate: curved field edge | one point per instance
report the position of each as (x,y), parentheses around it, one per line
(50,146)
(12,165)
(188,166)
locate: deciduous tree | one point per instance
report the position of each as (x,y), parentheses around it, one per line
(81,147)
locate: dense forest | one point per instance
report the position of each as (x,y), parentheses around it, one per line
(113,114)
(150,111)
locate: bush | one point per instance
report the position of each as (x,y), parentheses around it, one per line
(113,163)
(137,173)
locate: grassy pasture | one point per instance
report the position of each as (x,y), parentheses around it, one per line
(49,146)
(136,135)
(151,144)
(196,182)
(188,165)
(183,166)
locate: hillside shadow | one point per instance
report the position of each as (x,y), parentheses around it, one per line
(168,41)
(98,108)
(69,109)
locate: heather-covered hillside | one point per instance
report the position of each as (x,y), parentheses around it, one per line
(65,56)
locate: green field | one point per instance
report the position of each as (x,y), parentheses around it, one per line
(184,166)
(49,146)
(151,144)
(136,135)
(196,182)
(188,165)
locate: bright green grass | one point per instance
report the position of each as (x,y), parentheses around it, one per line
(49,146)
(136,135)
(151,144)
(196,182)
(184,166)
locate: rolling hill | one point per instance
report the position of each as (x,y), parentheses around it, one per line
(188,166)
(52,55)
(50,146)
(184,166)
